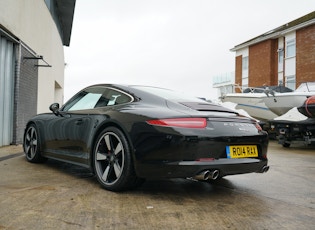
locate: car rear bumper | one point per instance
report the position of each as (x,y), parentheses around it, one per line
(190,169)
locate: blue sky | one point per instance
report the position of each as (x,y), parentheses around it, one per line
(176,44)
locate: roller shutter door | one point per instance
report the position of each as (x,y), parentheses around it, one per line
(6,90)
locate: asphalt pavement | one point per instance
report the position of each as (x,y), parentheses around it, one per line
(57,195)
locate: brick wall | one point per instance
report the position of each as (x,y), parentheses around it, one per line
(305,55)
(263,63)
(26,86)
(263,60)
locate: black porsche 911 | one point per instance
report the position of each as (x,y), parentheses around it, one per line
(126,134)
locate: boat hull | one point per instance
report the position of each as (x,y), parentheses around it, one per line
(267,104)
(252,103)
(281,103)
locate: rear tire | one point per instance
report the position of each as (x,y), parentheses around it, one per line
(31,145)
(113,163)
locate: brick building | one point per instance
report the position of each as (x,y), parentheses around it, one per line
(282,56)
(32,36)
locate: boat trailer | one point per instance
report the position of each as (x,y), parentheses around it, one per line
(288,132)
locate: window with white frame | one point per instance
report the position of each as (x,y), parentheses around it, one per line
(290,48)
(280,60)
(245,71)
(290,82)
(245,63)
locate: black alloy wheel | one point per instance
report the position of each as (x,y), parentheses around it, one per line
(31,145)
(113,161)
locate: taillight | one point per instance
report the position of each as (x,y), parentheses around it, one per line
(196,123)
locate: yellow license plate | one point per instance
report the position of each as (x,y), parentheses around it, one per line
(241,151)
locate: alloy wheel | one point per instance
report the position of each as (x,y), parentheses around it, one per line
(31,142)
(109,158)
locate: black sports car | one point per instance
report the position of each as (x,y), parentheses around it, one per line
(125,134)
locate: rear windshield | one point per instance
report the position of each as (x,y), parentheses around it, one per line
(169,94)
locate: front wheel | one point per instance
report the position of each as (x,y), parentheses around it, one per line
(113,162)
(31,145)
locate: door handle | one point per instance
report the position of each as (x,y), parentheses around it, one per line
(79,122)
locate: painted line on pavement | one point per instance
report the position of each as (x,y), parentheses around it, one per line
(10,156)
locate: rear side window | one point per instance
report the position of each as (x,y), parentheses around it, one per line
(95,97)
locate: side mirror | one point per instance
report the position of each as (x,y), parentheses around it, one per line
(55,108)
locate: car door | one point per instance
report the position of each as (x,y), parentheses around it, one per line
(67,135)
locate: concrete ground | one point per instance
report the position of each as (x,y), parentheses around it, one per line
(56,195)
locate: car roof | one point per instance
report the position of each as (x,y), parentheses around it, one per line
(153,94)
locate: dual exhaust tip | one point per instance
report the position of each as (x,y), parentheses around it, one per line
(207,175)
(214,174)
(264,169)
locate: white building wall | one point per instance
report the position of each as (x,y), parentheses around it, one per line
(280,59)
(244,52)
(290,62)
(245,72)
(32,23)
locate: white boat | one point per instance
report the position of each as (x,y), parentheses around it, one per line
(280,103)
(268,104)
(252,103)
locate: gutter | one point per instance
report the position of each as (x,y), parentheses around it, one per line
(270,35)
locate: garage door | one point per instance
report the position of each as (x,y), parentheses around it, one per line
(6,90)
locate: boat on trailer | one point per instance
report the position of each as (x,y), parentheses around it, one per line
(280,103)
(297,125)
(252,100)
(266,103)
(289,132)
